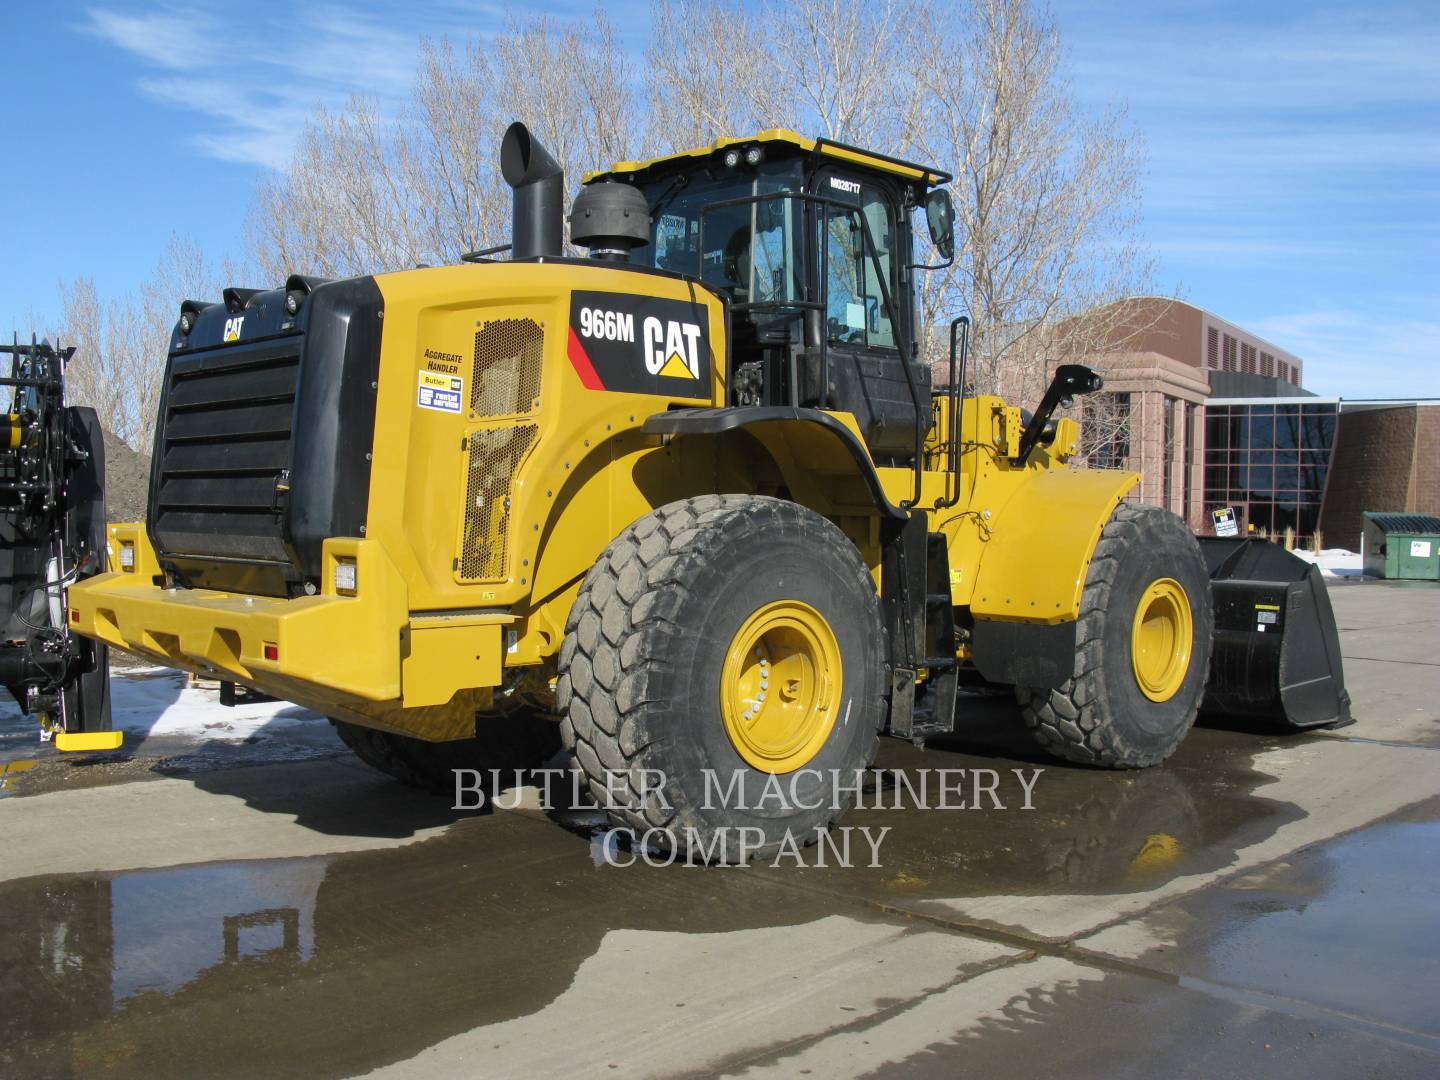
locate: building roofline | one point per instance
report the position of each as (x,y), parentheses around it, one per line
(1305,399)
(1206,311)
(1316,400)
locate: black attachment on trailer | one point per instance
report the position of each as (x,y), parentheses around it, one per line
(1276,651)
(52,533)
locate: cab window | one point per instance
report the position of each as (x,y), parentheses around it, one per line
(855,308)
(748,249)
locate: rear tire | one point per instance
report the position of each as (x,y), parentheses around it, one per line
(1133,696)
(510,742)
(661,694)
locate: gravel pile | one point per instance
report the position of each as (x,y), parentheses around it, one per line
(127,481)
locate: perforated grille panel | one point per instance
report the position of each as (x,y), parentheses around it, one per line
(508,355)
(494,455)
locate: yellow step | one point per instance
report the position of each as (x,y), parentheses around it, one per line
(70,741)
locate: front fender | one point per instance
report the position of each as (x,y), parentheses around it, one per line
(1033,566)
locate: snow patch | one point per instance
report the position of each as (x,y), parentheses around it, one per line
(1334,562)
(160,701)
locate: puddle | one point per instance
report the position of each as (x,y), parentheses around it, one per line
(328,966)
(1349,926)
(1324,964)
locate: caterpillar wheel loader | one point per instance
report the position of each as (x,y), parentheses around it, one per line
(688,505)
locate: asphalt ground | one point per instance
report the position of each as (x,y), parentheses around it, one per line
(1262,905)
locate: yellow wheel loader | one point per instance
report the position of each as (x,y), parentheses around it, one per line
(688,504)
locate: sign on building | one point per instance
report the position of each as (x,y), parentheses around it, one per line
(1225,524)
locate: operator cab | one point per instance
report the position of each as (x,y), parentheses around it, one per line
(811,243)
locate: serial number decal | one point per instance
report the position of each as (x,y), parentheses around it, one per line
(443,393)
(640,344)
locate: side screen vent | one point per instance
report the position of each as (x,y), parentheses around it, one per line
(508,355)
(494,455)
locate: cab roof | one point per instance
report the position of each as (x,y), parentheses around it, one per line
(781,139)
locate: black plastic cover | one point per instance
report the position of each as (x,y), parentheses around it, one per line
(264,435)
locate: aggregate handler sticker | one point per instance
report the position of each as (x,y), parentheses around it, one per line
(640,344)
(442,393)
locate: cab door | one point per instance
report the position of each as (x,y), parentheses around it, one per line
(857,229)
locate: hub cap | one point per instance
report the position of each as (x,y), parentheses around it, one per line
(780,687)
(1161,638)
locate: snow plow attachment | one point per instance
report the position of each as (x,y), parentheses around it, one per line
(1277,651)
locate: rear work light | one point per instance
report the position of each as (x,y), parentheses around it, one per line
(346,578)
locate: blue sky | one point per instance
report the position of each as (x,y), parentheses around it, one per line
(1293,185)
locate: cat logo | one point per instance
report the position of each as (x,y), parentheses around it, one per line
(232,328)
(672,349)
(637,344)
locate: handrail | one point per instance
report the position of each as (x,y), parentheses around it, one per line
(956,396)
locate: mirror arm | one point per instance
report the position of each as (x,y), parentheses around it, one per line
(937,266)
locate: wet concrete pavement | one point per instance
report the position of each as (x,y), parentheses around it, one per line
(1264,904)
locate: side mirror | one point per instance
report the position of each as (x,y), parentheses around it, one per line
(940,217)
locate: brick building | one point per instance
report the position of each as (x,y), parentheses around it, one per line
(1386,457)
(1213,415)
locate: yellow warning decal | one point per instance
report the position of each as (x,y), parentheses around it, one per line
(1267,607)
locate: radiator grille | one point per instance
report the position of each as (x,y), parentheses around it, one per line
(508,355)
(224,446)
(494,454)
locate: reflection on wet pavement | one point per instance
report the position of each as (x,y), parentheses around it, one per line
(1323,964)
(367,958)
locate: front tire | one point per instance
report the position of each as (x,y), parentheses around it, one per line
(723,647)
(1144,636)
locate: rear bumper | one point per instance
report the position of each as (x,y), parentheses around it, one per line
(337,653)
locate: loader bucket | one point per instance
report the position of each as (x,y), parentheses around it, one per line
(1276,652)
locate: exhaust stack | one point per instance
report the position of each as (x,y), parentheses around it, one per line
(539,184)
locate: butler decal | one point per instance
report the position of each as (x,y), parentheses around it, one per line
(640,344)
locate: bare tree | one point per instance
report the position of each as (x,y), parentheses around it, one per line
(834,68)
(121,346)
(366,192)
(1047,198)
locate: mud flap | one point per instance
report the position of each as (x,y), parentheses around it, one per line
(1277,651)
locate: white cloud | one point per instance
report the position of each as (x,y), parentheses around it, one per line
(251,83)
(175,39)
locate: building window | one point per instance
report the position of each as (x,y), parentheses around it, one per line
(1105,438)
(1167,452)
(1187,458)
(1269,462)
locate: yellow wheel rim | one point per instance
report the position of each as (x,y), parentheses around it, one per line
(1161,638)
(780,687)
